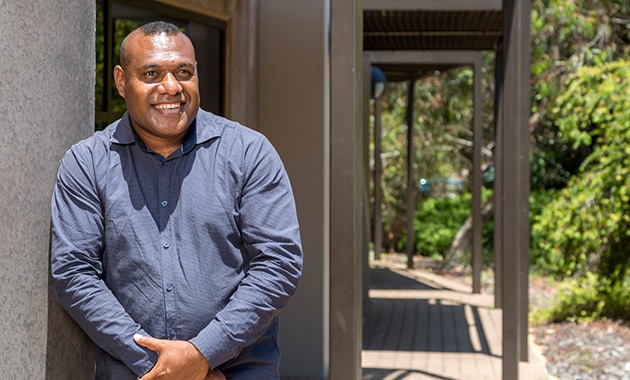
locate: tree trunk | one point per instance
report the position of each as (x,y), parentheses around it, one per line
(463,236)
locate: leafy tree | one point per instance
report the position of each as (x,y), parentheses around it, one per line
(442,138)
(568,35)
(588,225)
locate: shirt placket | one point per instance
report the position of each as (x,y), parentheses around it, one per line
(168,249)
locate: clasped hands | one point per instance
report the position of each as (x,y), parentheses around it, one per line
(177,360)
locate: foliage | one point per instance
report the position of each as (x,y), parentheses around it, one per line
(566,36)
(442,138)
(437,221)
(107,99)
(538,201)
(588,226)
(587,298)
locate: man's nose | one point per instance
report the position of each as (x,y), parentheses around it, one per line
(170,85)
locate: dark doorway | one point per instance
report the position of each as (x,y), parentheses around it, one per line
(115,19)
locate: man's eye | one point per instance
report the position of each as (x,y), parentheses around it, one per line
(150,73)
(184,74)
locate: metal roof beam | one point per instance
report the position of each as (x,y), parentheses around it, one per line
(424,57)
(432,5)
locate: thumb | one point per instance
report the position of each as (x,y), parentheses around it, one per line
(148,342)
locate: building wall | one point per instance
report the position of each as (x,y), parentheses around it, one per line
(46,103)
(277,82)
(294,114)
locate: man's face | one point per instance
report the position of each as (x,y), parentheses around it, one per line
(160,85)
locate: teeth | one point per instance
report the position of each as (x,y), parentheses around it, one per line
(167,106)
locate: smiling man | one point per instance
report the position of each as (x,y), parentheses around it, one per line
(175,240)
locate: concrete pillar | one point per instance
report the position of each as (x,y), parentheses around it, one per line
(294,114)
(46,103)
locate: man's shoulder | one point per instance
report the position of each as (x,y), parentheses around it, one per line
(95,146)
(227,128)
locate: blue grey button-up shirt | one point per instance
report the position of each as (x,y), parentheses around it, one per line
(201,246)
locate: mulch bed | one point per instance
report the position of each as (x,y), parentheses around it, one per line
(590,350)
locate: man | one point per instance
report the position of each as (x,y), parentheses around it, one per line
(175,240)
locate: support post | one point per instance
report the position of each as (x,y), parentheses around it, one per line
(516,55)
(524,130)
(346,184)
(477,223)
(378,191)
(498,180)
(411,188)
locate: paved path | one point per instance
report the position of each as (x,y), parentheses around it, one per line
(422,326)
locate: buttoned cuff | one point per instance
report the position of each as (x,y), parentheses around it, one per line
(215,345)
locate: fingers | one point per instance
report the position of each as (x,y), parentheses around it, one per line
(148,342)
(215,374)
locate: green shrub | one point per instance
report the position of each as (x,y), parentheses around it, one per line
(587,227)
(437,221)
(587,298)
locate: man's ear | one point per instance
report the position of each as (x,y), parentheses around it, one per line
(119,79)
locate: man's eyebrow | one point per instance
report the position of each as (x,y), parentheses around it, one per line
(186,64)
(155,65)
(149,66)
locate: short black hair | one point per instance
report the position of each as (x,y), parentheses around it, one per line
(159,27)
(151,29)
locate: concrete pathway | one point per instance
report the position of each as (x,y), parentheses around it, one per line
(422,326)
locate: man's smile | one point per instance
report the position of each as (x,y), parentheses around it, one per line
(170,108)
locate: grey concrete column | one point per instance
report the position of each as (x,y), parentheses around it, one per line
(46,103)
(293,114)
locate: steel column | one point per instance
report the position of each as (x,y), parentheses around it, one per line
(525,74)
(378,191)
(515,130)
(477,223)
(411,188)
(498,180)
(346,185)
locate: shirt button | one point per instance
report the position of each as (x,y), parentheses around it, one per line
(164,203)
(171,332)
(169,287)
(165,163)
(166,244)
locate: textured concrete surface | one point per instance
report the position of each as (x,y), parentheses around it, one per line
(46,104)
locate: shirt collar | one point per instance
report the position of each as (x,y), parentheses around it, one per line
(203,128)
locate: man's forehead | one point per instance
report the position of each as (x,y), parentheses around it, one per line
(161,47)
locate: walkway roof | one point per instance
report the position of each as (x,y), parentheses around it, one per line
(429,25)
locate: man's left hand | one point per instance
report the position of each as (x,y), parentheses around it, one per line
(177,359)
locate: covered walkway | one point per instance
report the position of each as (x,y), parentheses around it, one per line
(422,326)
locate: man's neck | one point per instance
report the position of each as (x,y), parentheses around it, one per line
(163,147)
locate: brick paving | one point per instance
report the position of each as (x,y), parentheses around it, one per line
(422,326)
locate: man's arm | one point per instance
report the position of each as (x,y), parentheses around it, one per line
(270,233)
(77,268)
